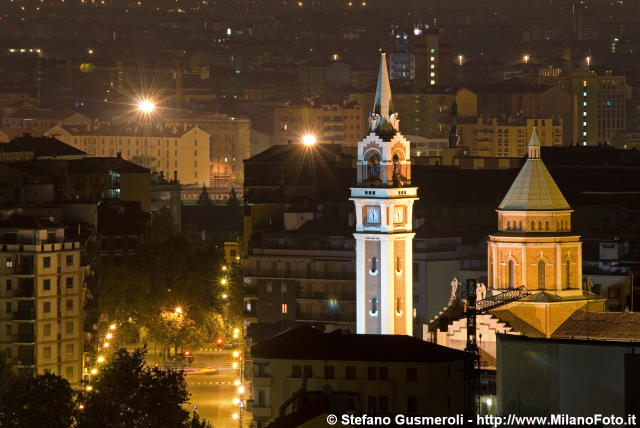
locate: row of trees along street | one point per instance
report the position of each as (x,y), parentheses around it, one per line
(172,294)
(125,393)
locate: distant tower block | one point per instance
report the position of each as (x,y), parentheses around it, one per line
(384,209)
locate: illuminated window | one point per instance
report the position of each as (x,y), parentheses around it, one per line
(584,114)
(567,273)
(585,134)
(433,74)
(284,308)
(433,58)
(584,123)
(584,93)
(433,66)
(584,103)
(433,82)
(533,225)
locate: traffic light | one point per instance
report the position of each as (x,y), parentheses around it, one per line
(219,341)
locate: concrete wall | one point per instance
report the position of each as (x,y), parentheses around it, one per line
(581,378)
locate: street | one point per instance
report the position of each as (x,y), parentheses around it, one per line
(210,380)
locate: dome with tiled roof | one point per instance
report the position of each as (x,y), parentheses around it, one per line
(534,189)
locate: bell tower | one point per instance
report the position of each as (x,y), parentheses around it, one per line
(384,209)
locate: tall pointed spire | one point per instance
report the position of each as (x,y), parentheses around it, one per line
(383,117)
(534,145)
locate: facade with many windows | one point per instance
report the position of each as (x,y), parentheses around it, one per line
(182,154)
(41,297)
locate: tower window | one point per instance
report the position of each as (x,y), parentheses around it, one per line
(539,225)
(398,307)
(508,225)
(511,273)
(567,273)
(398,265)
(533,225)
(374,265)
(541,275)
(374,307)
(520,226)
(546,225)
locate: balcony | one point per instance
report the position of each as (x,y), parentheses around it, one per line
(24,337)
(24,270)
(326,317)
(25,315)
(320,295)
(275,273)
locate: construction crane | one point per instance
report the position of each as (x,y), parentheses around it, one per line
(473,308)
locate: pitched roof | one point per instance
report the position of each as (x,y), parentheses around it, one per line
(40,146)
(534,188)
(600,325)
(309,343)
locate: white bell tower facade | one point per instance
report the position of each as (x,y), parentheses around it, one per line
(384,209)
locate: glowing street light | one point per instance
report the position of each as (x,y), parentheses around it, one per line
(224,268)
(236,354)
(223,281)
(309,140)
(94,371)
(236,400)
(106,344)
(241,389)
(235,364)
(526,58)
(101,359)
(236,382)
(146,106)
(460,58)
(235,416)
(588,61)
(89,388)
(224,296)
(109,335)
(178,310)
(112,327)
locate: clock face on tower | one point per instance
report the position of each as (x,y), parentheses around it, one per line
(398,215)
(372,215)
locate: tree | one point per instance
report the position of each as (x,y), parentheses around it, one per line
(45,401)
(129,393)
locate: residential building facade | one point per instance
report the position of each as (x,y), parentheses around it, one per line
(42,297)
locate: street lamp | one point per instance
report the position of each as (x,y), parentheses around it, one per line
(101,359)
(178,310)
(526,58)
(460,58)
(146,106)
(223,281)
(109,335)
(588,61)
(112,327)
(309,140)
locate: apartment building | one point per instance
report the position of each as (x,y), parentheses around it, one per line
(497,137)
(230,144)
(598,106)
(181,154)
(330,123)
(364,373)
(41,297)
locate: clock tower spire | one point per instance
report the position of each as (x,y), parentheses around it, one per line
(383,201)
